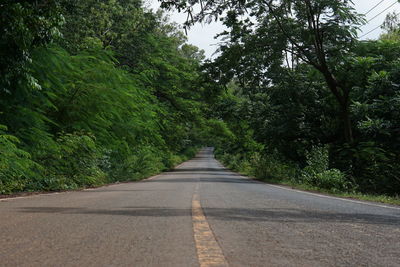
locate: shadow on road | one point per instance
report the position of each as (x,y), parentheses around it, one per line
(194,170)
(106,190)
(225,179)
(199,173)
(231,214)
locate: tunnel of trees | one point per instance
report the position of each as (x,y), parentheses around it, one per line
(99,91)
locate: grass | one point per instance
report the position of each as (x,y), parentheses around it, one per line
(308,188)
(351,195)
(177,161)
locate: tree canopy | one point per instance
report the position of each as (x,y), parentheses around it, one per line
(101,91)
(303,93)
(94,92)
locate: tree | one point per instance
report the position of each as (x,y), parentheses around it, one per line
(392,27)
(24,26)
(93,91)
(319,33)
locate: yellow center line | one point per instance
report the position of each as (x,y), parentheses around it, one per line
(209,252)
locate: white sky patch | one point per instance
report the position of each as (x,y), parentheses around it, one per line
(202,35)
(363,6)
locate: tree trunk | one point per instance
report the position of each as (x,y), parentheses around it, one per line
(348,131)
(342,96)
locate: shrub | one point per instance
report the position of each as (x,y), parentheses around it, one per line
(170,160)
(16,165)
(129,164)
(73,163)
(271,167)
(375,168)
(266,167)
(332,179)
(318,174)
(190,152)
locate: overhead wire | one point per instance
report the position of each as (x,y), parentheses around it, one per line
(369,11)
(374,29)
(382,12)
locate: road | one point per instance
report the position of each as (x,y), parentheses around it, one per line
(200,214)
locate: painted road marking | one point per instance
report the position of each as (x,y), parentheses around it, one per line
(31,196)
(209,252)
(313,194)
(337,198)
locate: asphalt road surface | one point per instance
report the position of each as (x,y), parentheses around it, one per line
(200,214)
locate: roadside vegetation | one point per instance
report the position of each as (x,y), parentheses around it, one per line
(306,102)
(100,91)
(93,92)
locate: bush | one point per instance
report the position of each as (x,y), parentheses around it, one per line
(129,164)
(170,160)
(375,168)
(232,161)
(16,165)
(332,179)
(73,163)
(266,167)
(271,167)
(318,174)
(190,152)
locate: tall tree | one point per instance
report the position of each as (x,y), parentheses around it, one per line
(391,26)
(319,33)
(24,25)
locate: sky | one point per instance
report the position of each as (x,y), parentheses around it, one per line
(202,36)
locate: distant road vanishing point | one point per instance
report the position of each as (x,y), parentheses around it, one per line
(199,214)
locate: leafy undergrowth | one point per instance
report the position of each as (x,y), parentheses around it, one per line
(351,195)
(80,177)
(274,172)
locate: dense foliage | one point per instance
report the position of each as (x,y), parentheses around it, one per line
(299,137)
(306,102)
(93,92)
(101,91)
